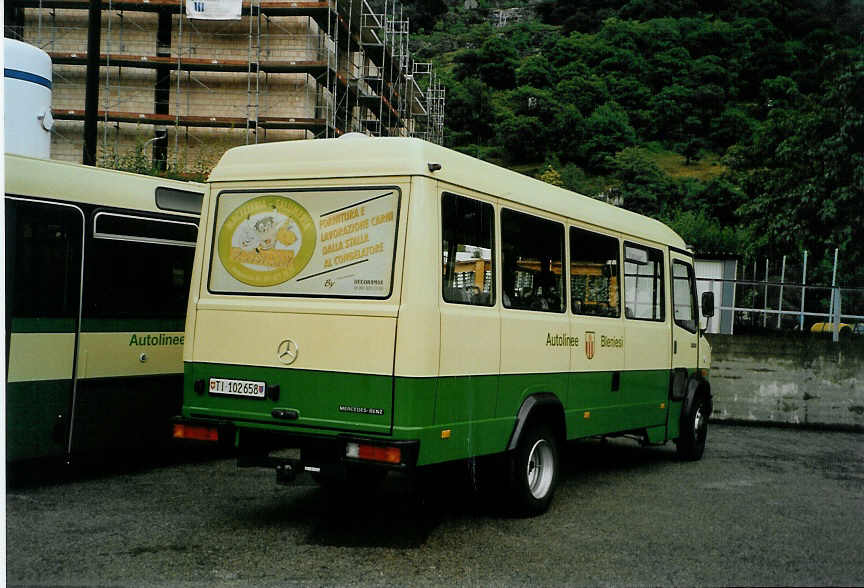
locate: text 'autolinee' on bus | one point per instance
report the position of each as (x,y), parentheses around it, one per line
(391,304)
(98,264)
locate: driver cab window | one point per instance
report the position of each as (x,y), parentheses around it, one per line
(684,296)
(643,283)
(468,227)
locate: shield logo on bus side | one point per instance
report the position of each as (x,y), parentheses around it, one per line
(287,351)
(589,344)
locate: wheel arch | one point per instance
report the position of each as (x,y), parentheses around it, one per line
(696,386)
(543,407)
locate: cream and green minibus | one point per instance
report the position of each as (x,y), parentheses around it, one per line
(98,264)
(386,303)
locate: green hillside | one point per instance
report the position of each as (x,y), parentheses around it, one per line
(739,123)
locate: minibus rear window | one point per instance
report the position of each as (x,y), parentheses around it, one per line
(335,242)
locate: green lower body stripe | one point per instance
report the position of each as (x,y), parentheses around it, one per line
(91,325)
(479,411)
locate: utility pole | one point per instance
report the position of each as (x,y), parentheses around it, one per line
(91,97)
(162,93)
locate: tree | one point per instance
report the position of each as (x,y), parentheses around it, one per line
(498,62)
(732,125)
(720,199)
(423,13)
(708,235)
(578,15)
(643,187)
(550,175)
(584,91)
(469,113)
(521,137)
(667,67)
(607,131)
(536,71)
(780,92)
(669,109)
(803,170)
(633,96)
(568,131)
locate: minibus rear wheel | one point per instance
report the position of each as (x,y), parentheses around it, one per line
(534,469)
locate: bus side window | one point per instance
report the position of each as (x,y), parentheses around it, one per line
(594,275)
(138,267)
(532,250)
(643,283)
(178,200)
(684,296)
(468,228)
(43,263)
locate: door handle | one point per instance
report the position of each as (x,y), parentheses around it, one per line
(285,414)
(675,347)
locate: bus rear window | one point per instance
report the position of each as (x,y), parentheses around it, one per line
(337,242)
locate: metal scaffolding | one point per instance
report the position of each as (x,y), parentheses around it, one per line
(311,69)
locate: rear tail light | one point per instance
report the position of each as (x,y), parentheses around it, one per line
(196,432)
(373,452)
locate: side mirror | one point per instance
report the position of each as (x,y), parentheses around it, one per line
(708,304)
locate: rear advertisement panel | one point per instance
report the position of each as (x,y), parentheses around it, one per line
(336,242)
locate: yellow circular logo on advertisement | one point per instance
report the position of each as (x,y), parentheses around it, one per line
(267,240)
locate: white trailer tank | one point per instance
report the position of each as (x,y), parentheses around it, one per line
(27,91)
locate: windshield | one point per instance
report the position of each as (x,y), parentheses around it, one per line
(336,242)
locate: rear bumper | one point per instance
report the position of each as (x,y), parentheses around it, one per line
(318,453)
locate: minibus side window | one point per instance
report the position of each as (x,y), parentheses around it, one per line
(468,228)
(594,275)
(683,296)
(643,283)
(532,252)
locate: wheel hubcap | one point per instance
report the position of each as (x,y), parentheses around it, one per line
(698,423)
(540,469)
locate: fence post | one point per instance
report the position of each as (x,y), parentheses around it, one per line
(835,299)
(765,300)
(833,283)
(803,293)
(780,303)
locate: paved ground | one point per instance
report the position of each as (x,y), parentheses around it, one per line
(763,507)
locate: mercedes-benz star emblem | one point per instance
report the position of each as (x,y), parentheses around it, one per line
(287,351)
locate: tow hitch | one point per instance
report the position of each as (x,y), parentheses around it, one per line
(285,473)
(286,468)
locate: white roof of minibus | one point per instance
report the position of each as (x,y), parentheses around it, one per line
(363,157)
(72,182)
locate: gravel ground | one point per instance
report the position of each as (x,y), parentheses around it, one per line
(764,507)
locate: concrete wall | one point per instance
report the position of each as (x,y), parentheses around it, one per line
(791,379)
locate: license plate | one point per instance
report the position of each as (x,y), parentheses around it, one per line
(244,388)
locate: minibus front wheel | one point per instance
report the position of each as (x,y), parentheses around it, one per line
(694,428)
(534,469)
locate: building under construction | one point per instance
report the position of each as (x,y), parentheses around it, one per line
(189,89)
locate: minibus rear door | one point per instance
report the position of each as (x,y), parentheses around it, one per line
(297,325)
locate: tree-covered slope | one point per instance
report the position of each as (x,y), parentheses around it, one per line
(740,123)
